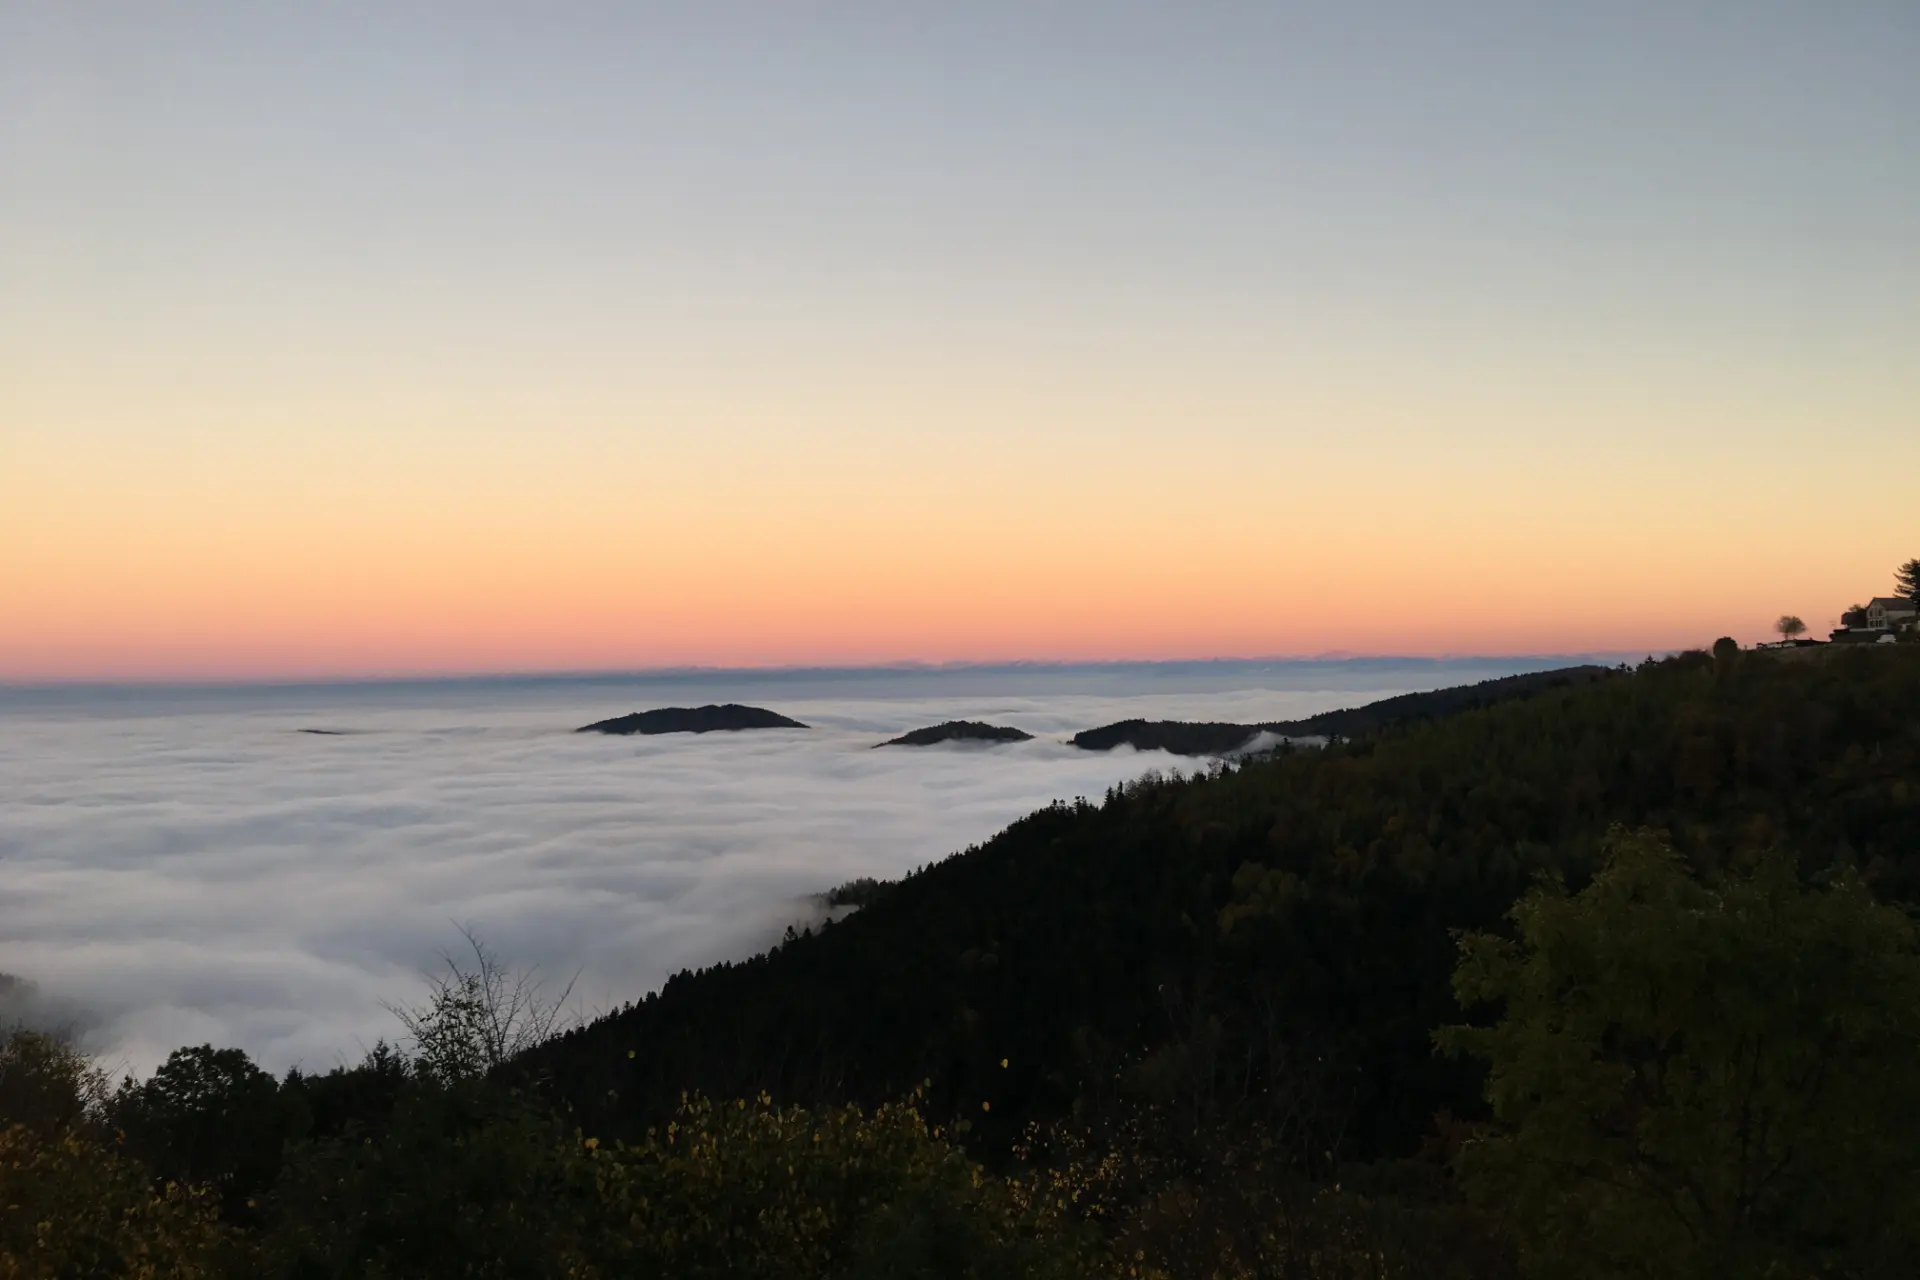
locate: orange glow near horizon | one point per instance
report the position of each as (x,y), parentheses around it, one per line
(766,539)
(344,340)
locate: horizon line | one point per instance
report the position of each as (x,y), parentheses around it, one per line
(901,666)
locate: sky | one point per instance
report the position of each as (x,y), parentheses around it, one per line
(394,338)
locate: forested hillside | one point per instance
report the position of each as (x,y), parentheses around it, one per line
(1198,940)
(1204,738)
(1349,721)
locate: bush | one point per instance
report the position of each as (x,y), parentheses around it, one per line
(208,1117)
(752,1190)
(47,1085)
(71,1203)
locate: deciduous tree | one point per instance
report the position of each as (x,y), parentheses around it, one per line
(1693,1080)
(480,1012)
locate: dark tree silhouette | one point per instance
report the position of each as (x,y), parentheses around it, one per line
(480,1013)
(1906,581)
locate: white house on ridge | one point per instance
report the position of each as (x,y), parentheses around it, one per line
(1890,613)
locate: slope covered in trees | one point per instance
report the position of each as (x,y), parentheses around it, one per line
(1348,721)
(1198,940)
(1197,738)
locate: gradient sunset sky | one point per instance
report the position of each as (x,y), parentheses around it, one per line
(353,339)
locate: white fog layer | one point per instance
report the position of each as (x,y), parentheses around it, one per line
(184,866)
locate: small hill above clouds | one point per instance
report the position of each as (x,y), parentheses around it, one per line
(725,718)
(957,731)
(1181,737)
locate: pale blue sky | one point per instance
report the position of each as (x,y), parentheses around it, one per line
(1482,266)
(1620,168)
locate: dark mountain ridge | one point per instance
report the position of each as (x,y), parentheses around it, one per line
(1190,738)
(1349,721)
(1181,737)
(726,718)
(957,731)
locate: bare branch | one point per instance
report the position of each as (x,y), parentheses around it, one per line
(480,1013)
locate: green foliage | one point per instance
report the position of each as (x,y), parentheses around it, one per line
(46,1084)
(753,1190)
(459,1179)
(71,1203)
(480,1013)
(209,1117)
(476,1180)
(1226,1201)
(857,892)
(1695,1080)
(71,1206)
(350,1100)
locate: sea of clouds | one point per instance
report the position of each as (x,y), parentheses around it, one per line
(182,865)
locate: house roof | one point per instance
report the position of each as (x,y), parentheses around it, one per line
(1893,604)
